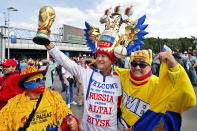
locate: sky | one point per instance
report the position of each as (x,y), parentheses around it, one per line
(166,18)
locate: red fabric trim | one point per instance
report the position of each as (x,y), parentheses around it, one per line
(109,54)
(23,119)
(140,78)
(103,43)
(138,84)
(114,73)
(91,68)
(65,127)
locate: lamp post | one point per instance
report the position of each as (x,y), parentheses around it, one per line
(8,22)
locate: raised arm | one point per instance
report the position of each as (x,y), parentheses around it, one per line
(168,58)
(63,60)
(175,88)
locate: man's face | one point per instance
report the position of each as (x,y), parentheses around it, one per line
(103,62)
(8,69)
(140,69)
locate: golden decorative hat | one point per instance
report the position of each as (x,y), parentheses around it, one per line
(142,55)
(110,41)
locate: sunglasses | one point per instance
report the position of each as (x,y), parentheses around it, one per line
(141,65)
(39,80)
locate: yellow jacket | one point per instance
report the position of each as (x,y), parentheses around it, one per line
(51,111)
(155,98)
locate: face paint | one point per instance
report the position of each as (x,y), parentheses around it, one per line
(35,87)
(31,85)
(38,89)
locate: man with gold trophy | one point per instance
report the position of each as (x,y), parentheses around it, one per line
(46,19)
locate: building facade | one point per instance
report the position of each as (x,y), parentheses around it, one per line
(19,44)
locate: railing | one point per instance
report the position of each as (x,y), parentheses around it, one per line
(25,36)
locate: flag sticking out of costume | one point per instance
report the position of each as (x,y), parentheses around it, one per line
(166,48)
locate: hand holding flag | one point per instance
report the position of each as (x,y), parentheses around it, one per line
(166,56)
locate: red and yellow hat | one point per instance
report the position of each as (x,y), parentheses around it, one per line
(28,74)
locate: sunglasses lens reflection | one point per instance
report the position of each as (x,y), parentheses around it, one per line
(141,65)
(39,80)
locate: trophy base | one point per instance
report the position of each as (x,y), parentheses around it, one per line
(41,40)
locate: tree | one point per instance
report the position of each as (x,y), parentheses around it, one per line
(177,45)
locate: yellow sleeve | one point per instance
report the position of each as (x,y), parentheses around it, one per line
(5,118)
(121,71)
(6,115)
(184,93)
(61,109)
(174,73)
(117,70)
(175,92)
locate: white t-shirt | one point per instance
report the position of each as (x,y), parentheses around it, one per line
(100,108)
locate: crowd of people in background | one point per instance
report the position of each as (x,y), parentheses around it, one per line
(68,82)
(188,59)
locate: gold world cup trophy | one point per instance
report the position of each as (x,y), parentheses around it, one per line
(46,19)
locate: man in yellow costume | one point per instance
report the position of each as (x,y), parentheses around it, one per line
(37,108)
(150,102)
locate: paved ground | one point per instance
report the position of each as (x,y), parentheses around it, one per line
(78,113)
(189,119)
